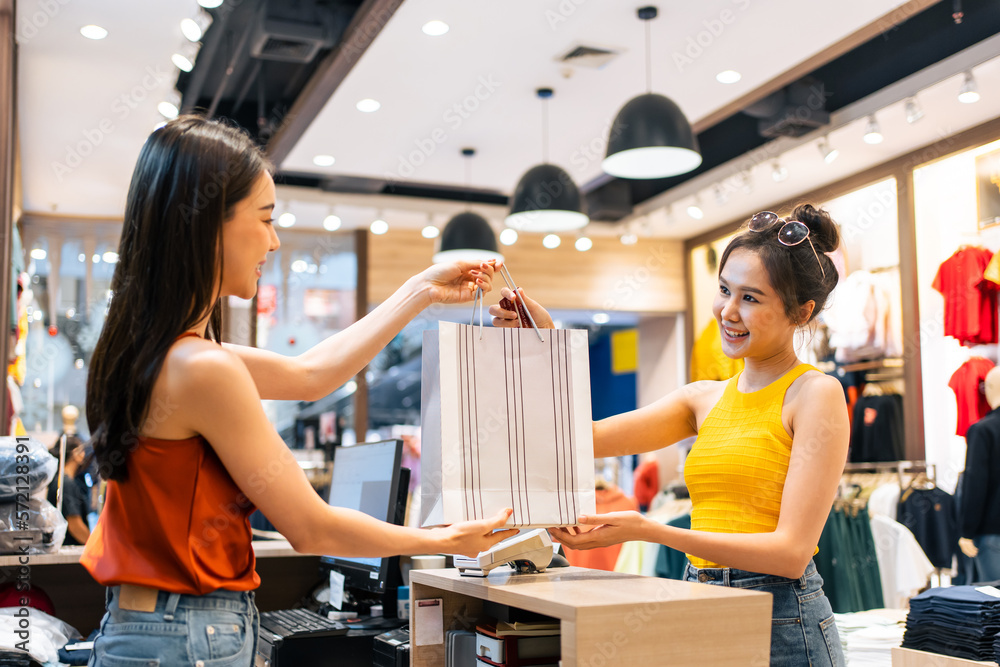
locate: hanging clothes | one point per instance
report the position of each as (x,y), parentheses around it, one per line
(970,301)
(864,318)
(877,429)
(708,361)
(930,515)
(847,561)
(671,563)
(967,383)
(903,566)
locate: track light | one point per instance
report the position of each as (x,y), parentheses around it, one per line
(721,196)
(778,172)
(873,134)
(969,92)
(694,210)
(913,110)
(829,154)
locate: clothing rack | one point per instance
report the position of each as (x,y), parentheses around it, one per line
(899,467)
(888,362)
(883,269)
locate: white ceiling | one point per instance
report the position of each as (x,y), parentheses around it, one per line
(71,87)
(514,45)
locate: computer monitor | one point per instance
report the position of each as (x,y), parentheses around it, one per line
(367,477)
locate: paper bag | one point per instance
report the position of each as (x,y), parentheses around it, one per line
(506,422)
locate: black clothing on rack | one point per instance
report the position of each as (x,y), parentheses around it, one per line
(877,429)
(980,509)
(930,515)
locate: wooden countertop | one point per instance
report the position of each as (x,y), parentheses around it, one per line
(562,592)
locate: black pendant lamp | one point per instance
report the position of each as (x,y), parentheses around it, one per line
(651,137)
(467,236)
(546,199)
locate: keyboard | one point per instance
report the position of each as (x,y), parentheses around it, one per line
(301,622)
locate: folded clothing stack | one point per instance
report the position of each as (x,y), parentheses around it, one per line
(960,621)
(868,637)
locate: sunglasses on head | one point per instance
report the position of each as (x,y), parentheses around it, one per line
(791,233)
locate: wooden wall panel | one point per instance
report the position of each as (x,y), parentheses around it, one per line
(647,277)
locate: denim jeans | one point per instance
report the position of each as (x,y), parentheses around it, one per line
(214,630)
(803,631)
(988,559)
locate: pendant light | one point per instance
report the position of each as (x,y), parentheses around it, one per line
(467,236)
(651,137)
(546,199)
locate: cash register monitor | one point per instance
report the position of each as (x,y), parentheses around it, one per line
(368,478)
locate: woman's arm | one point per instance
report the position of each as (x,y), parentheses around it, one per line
(819,450)
(332,362)
(669,420)
(216,397)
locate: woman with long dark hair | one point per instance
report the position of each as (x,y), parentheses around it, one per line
(771,442)
(178,427)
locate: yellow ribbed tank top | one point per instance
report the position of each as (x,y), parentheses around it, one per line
(736,470)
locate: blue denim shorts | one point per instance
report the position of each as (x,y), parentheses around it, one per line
(803,631)
(214,630)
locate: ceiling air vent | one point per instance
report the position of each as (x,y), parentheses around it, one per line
(291,31)
(592,57)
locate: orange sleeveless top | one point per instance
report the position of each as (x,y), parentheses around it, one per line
(178,524)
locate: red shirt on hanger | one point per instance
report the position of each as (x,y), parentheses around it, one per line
(970,301)
(967,384)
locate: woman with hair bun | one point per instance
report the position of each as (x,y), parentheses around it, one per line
(771,441)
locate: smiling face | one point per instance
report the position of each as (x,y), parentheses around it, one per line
(247,238)
(751,315)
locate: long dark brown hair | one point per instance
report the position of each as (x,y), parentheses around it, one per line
(190,175)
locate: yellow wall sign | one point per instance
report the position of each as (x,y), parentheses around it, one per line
(625,351)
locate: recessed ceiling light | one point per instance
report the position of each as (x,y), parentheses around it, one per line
(628,238)
(331,223)
(210,4)
(583,244)
(695,211)
(728,76)
(508,236)
(191,30)
(167,109)
(300,266)
(430,232)
(435,28)
(380,226)
(368,105)
(551,241)
(286,219)
(110,257)
(324,160)
(601,318)
(183,64)
(38,253)
(93,32)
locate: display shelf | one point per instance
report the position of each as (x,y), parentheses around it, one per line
(608,618)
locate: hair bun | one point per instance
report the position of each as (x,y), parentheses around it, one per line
(822,229)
